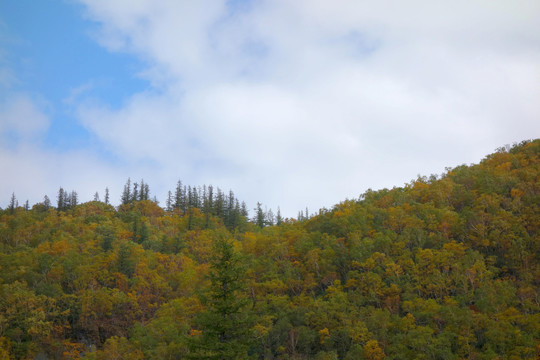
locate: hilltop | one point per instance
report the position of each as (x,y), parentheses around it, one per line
(445,267)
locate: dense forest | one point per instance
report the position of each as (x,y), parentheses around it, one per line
(445,267)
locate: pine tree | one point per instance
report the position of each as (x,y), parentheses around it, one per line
(230,219)
(107,195)
(244,210)
(178,196)
(96,196)
(260,217)
(126,194)
(226,322)
(46,202)
(60,200)
(279,219)
(219,203)
(169,202)
(74,199)
(135,194)
(124,262)
(13,203)
(146,193)
(270,218)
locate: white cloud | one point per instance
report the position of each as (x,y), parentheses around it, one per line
(35,172)
(20,117)
(31,171)
(299,103)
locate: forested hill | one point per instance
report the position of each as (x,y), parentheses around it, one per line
(443,268)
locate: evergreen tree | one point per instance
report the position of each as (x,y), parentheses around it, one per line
(146,192)
(135,194)
(126,194)
(60,200)
(13,203)
(66,201)
(226,322)
(124,263)
(244,210)
(169,202)
(219,203)
(46,202)
(270,218)
(279,219)
(211,199)
(74,199)
(178,195)
(260,217)
(107,196)
(26,205)
(96,196)
(230,215)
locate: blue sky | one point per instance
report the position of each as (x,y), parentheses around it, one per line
(293,104)
(49,47)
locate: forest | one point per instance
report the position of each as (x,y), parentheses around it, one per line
(444,267)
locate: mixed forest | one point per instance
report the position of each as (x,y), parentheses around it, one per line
(445,267)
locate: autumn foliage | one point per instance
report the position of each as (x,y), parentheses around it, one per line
(445,267)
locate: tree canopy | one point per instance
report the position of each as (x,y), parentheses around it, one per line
(445,267)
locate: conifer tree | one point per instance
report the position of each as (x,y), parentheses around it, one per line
(244,210)
(270,218)
(178,195)
(260,217)
(46,202)
(126,194)
(73,199)
(219,203)
(61,199)
(107,195)
(169,202)
(147,193)
(226,322)
(13,203)
(279,219)
(135,194)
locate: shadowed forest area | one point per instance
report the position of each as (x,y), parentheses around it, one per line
(445,267)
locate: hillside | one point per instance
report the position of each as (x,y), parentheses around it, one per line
(443,268)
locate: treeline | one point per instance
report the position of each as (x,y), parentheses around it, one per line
(443,268)
(207,199)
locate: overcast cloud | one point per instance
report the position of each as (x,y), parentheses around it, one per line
(306,103)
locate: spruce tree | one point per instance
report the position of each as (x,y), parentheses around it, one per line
(244,210)
(126,194)
(73,199)
(169,202)
(146,192)
(46,202)
(178,196)
(226,322)
(61,199)
(270,218)
(13,203)
(279,219)
(135,194)
(260,217)
(107,195)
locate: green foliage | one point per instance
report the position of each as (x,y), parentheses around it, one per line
(225,323)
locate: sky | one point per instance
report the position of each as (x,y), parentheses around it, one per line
(289,103)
